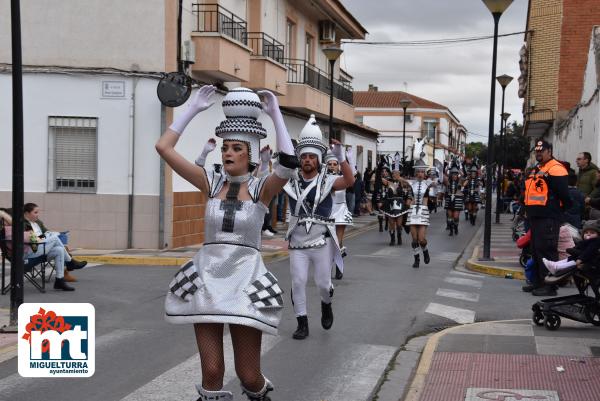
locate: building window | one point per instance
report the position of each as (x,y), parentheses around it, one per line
(428,130)
(290,31)
(72,161)
(310,49)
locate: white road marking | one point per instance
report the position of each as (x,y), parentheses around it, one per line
(462,295)
(459,315)
(464,281)
(178,382)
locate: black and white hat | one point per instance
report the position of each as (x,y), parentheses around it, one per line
(420,165)
(242,108)
(311,140)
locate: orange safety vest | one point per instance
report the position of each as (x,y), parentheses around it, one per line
(536,185)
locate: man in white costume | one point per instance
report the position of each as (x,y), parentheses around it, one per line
(311,233)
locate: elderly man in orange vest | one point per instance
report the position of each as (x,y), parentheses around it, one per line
(546,196)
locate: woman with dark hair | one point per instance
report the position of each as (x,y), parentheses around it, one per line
(227,281)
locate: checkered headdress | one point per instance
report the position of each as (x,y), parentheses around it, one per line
(311,140)
(242,107)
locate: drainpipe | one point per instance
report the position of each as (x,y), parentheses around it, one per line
(131,160)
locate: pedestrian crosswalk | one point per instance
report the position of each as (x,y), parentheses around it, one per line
(463,291)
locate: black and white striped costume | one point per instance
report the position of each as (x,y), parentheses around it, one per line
(418,214)
(471,190)
(453,199)
(395,200)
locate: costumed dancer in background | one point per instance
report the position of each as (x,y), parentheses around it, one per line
(311,233)
(380,191)
(339,212)
(471,188)
(395,202)
(432,202)
(454,198)
(227,281)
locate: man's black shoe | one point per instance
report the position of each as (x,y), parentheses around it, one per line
(74,265)
(270,228)
(545,291)
(61,284)
(326,315)
(528,287)
(302,331)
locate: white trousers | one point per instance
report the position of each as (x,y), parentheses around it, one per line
(300,261)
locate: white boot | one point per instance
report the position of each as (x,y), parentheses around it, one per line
(550,265)
(260,395)
(208,395)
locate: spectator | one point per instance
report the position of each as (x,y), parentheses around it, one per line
(367,179)
(359,189)
(586,179)
(546,194)
(574,214)
(592,201)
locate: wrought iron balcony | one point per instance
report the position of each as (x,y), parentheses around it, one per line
(265,46)
(215,18)
(303,72)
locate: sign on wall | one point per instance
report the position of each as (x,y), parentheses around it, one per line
(113,89)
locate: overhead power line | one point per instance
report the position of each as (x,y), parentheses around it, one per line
(429,42)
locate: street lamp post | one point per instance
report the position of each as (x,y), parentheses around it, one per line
(505,117)
(496,7)
(503,80)
(332,53)
(404,103)
(434,135)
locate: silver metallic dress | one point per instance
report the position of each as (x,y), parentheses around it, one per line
(418,214)
(227,281)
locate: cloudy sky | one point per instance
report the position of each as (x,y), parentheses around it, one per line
(457,76)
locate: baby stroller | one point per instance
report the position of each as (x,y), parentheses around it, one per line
(518,226)
(583,307)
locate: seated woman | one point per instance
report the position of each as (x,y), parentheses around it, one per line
(52,248)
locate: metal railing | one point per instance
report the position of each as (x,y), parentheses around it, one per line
(214,18)
(303,72)
(266,46)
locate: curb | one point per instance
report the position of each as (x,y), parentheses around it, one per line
(418,383)
(175,261)
(475,265)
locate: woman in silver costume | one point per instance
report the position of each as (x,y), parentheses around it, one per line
(454,201)
(227,281)
(471,188)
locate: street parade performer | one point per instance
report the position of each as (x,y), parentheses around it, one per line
(227,281)
(418,215)
(382,176)
(339,211)
(471,188)
(454,198)
(311,232)
(395,202)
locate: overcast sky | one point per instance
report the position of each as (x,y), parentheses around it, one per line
(457,76)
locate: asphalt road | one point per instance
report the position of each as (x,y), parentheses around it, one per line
(380,303)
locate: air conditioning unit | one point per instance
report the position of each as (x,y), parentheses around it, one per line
(326,31)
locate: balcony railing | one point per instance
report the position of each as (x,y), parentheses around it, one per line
(303,72)
(266,46)
(214,18)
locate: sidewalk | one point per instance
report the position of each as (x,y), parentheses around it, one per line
(272,248)
(509,361)
(503,251)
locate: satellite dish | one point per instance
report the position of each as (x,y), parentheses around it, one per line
(174,89)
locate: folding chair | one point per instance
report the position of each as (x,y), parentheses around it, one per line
(34,269)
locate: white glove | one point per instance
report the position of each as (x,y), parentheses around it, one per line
(351,159)
(265,156)
(200,102)
(338,151)
(208,147)
(271,107)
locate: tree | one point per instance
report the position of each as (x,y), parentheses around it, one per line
(517,147)
(478,150)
